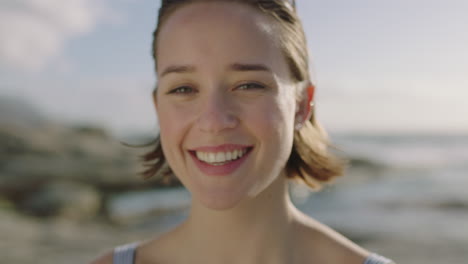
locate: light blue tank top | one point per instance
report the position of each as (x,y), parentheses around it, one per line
(126,255)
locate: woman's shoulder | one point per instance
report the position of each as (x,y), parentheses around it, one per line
(123,254)
(329,246)
(377,259)
(137,252)
(105,258)
(325,245)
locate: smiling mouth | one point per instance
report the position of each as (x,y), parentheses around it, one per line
(220,158)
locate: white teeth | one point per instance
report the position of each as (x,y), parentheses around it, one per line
(220,157)
(211,157)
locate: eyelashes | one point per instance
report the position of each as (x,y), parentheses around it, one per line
(182,90)
(186,89)
(251,86)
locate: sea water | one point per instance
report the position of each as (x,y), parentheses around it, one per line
(417,189)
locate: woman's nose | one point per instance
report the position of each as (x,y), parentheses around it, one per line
(217,114)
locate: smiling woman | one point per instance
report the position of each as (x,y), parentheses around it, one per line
(235,107)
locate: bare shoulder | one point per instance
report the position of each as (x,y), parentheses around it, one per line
(325,245)
(105,258)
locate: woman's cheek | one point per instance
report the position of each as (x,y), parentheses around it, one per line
(174,123)
(271,114)
(174,117)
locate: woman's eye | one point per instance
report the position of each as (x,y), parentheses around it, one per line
(250,86)
(181,90)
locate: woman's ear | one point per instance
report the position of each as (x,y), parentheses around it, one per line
(304,109)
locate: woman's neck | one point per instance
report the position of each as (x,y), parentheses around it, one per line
(258,230)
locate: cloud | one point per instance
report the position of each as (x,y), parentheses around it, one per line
(33,32)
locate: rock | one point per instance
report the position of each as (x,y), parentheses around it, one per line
(11,144)
(359,162)
(63,199)
(91,131)
(29,159)
(16,111)
(42,161)
(6,204)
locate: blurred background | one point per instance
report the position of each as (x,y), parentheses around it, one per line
(75,82)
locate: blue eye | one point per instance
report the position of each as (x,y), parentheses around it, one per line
(182,90)
(250,86)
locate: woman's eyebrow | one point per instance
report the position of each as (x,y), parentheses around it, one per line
(249,67)
(178,69)
(242,67)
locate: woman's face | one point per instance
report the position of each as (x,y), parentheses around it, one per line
(225,102)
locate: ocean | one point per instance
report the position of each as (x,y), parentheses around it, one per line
(404,186)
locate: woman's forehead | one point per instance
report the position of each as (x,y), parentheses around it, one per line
(216,11)
(215,32)
(207,10)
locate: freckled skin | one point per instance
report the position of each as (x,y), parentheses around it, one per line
(218,112)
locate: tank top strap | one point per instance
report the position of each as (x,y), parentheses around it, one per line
(125,254)
(377,259)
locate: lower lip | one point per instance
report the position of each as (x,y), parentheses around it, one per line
(220,170)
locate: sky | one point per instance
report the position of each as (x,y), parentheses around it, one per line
(397,66)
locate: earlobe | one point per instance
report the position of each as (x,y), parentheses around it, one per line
(305,106)
(310,100)
(310,93)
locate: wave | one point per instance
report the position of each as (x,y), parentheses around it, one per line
(424,152)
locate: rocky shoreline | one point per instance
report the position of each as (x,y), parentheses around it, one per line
(51,170)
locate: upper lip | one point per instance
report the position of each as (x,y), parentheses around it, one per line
(220,148)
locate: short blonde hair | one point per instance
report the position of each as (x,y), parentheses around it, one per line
(311,160)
